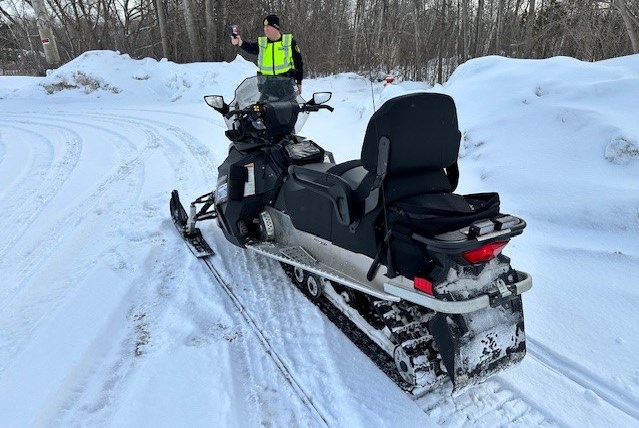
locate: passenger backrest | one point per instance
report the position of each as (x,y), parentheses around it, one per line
(424,139)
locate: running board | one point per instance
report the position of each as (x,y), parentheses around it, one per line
(297,256)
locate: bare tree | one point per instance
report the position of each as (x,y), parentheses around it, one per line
(161,14)
(621,6)
(530,25)
(46,33)
(191,29)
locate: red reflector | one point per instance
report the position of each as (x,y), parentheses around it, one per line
(484,253)
(423,284)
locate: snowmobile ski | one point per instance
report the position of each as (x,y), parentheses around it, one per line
(193,238)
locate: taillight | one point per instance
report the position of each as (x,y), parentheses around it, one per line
(423,284)
(484,253)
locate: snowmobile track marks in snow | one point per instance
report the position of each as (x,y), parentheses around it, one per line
(616,397)
(270,351)
(53,167)
(485,405)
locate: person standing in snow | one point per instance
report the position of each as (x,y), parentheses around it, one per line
(277,54)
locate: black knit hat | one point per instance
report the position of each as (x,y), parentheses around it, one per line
(273,21)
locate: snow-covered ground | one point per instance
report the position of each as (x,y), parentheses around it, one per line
(106,319)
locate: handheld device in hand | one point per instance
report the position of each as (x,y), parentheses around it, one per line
(234,30)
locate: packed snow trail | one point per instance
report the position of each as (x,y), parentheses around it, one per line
(306,398)
(613,395)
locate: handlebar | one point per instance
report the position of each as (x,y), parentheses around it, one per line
(238,111)
(309,108)
(304,108)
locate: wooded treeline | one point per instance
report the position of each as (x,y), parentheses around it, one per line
(414,39)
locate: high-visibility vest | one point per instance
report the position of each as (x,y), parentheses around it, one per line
(276,57)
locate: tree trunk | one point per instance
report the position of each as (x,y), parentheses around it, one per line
(210,50)
(440,49)
(46,34)
(500,27)
(621,6)
(478,18)
(357,22)
(191,30)
(161,13)
(465,26)
(489,38)
(530,25)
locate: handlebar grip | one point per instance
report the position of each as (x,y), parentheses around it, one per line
(234,112)
(317,108)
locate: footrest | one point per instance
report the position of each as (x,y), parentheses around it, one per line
(298,254)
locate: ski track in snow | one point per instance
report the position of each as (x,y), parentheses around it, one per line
(206,161)
(570,369)
(83,402)
(44,159)
(3,148)
(36,300)
(269,289)
(485,405)
(41,298)
(305,396)
(24,207)
(33,208)
(34,189)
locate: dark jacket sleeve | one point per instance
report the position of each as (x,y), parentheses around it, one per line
(297,61)
(252,48)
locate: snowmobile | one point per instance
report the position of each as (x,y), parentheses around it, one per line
(418,268)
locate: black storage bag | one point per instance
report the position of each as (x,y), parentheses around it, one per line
(303,152)
(431,214)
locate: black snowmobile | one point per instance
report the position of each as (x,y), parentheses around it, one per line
(416,267)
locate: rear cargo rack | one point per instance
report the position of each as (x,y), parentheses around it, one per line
(504,226)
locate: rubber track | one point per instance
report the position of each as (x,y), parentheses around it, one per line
(371,349)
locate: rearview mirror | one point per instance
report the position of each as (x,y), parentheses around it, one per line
(215,101)
(321,97)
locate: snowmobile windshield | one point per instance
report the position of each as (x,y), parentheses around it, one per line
(266,89)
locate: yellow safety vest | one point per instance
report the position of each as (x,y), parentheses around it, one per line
(276,57)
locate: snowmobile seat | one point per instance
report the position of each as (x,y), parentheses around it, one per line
(317,178)
(424,138)
(409,143)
